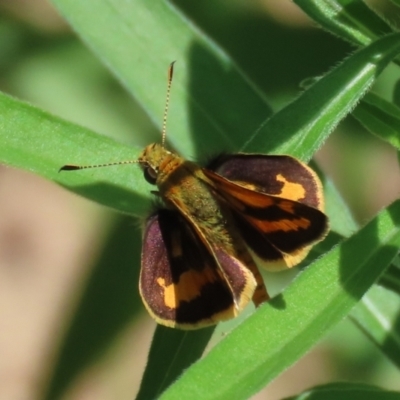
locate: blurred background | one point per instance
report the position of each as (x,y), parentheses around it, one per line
(51,240)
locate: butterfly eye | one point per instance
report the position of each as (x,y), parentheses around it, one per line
(150,175)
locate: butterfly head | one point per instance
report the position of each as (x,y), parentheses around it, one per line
(150,160)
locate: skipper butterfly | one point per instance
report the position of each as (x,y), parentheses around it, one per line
(201,249)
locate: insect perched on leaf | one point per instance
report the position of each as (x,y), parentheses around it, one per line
(201,250)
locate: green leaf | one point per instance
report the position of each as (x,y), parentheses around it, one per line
(380,117)
(378,316)
(301,127)
(207,99)
(279,332)
(351,20)
(166,362)
(340,219)
(346,391)
(391,279)
(41,143)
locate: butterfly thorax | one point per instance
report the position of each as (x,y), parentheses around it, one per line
(181,184)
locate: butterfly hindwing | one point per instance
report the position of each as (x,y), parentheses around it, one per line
(180,281)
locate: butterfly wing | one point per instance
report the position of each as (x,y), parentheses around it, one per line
(180,281)
(277,203)
(281,176)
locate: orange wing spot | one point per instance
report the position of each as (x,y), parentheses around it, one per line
(291,190)
(252,199)
(188,288)
(287,206)
(285,225)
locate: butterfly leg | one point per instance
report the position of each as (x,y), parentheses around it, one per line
(260,294)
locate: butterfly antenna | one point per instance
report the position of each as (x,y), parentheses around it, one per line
(164,126)
(72,167)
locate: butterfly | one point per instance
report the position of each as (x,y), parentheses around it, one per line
(202,248)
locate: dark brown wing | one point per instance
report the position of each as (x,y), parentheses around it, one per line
(180,282)
(279,230)
(281,176)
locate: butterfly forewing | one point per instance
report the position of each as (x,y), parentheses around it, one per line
(180,282)
(281,176)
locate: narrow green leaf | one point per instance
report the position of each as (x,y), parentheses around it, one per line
(41,143)
(171,352)
(346,391)
(351,20)
(340,218)
(138,39)
(391,279)
(380,117)
(378,316)
(279,332)
(301,127)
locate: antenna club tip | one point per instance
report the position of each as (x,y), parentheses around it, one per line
(171,70)
(69,167)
